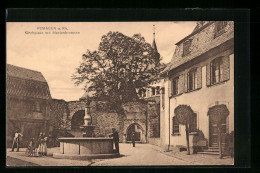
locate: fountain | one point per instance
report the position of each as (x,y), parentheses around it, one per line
(87,146)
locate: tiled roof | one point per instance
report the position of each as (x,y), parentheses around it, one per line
(23,82)
(200,49)
(24,73)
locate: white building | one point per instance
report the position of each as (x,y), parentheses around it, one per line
(201,75)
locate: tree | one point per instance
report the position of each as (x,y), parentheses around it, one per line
(58,110)
(219,114)
(184,115)
(121,65)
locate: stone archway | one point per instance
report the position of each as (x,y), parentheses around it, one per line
(77,120)
(139,132)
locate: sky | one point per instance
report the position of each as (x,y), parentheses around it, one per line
(57,56)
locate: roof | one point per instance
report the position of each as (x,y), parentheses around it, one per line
(21,82)
(24,73)
(195,31)
(200,47)
(154,45)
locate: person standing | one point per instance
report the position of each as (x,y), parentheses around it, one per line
(115,139)
(133,139)
(16,140)
(40,143)
(44,149)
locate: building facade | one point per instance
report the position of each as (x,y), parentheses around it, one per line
(201,75)
(27,103)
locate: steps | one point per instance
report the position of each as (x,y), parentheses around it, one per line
(211,151)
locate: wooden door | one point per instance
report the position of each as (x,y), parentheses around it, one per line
(213,132)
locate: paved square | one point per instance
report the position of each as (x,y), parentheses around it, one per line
(141,155)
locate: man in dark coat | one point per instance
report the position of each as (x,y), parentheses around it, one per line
(115,139)
(133,139)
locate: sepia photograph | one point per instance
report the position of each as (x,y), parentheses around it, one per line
(126,93)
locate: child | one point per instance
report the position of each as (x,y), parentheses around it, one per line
(31,147)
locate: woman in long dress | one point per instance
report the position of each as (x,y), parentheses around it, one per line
(40,143)
(44,146)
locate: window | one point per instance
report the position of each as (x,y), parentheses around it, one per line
(43,107)
(144,93)
(220,27)
(193,125)
(175,126)
(157,90)
(140,93)
(153,91)
(175,88)
(192,80)
(216,70)
(163,98)
(36,106)
(186,47)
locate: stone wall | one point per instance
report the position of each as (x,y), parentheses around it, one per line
(59,112)
(154,119)
(142,113)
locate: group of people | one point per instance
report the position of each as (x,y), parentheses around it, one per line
(39,146)
(36,147)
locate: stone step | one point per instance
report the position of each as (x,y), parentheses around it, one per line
(210,150)
(211,153)
(213,147)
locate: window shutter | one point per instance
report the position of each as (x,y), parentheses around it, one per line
(185,82)
(225,66)
(172,125)
(208,74)
(199,77)
(170,87)
(181,84)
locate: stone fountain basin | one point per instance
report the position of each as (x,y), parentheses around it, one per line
(85,148)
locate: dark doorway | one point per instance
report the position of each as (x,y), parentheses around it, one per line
(134,128)
(77,120)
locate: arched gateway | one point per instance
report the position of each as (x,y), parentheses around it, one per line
(138,132)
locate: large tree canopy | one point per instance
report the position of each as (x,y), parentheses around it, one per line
(121,65)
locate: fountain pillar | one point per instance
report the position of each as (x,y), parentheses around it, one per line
(87,128)
(88,146)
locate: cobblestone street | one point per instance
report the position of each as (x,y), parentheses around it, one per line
(141,155)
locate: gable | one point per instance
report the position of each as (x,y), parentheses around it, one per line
(201,42)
